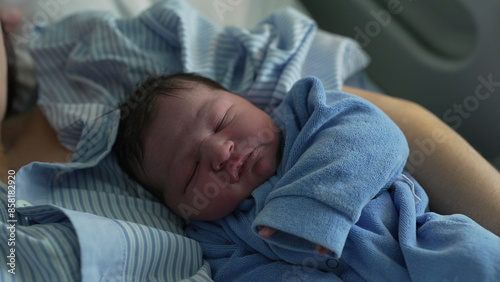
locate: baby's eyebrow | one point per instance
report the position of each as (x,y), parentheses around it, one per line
(204,110)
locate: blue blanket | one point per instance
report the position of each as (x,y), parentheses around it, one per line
(341,185)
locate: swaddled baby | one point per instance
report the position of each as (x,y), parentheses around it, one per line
(323,174)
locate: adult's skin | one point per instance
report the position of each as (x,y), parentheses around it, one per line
(3,103)
(26,137)
(456,178)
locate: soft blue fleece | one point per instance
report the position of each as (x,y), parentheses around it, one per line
(341,185)
(343,154)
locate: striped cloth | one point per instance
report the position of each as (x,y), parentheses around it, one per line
(85,219)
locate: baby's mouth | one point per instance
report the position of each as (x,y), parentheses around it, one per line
(237,171)
(247,163)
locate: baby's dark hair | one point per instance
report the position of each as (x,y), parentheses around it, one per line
(138,111)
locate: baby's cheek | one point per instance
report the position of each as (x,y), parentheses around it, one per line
(264,169)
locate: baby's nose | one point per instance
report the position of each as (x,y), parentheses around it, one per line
(221,153)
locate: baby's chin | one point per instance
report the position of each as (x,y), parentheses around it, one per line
(212,214)
(210,209)
(226,201)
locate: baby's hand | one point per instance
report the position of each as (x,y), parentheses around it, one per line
(266,232)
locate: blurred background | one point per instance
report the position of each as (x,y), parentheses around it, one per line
(442,54)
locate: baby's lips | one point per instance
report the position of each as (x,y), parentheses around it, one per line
(233,172)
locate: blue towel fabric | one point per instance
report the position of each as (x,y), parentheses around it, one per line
(85,219)
(341,185)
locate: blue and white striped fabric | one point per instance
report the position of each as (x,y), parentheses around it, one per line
(85,219)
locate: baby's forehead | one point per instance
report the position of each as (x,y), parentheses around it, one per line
(197,91)
(186,105)
(195,103)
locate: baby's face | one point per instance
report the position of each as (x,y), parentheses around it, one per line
(207,150)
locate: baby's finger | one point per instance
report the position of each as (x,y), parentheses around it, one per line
(321,250)
(266,232)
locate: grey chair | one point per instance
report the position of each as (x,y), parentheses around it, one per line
(445,55)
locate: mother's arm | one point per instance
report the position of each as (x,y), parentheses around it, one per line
(455,176)
(3,104)
(9,20)
(3,78)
